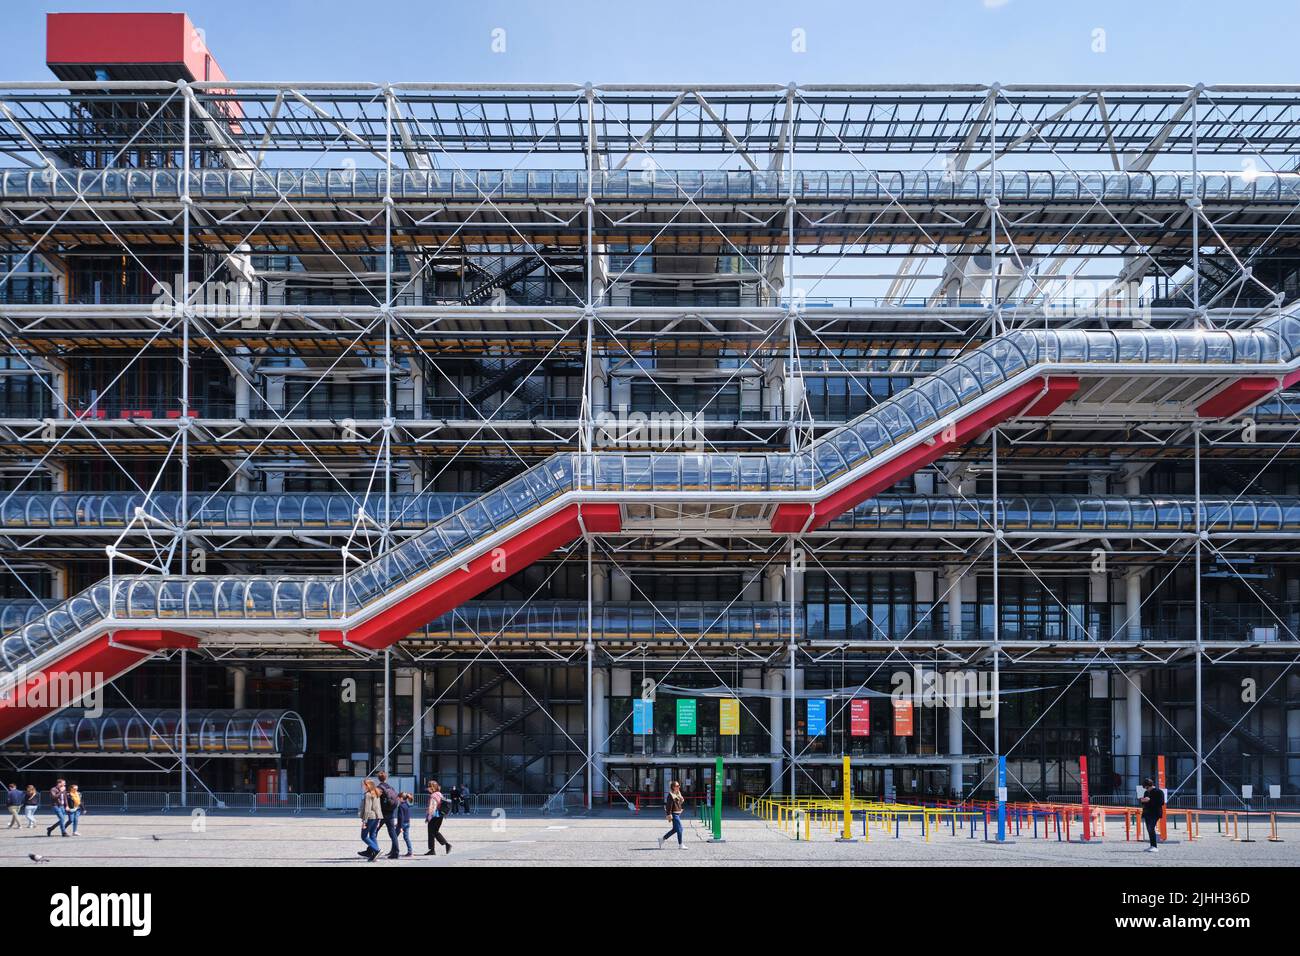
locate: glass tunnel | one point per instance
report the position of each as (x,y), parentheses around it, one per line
(265,733)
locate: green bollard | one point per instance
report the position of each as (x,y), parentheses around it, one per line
(718,780)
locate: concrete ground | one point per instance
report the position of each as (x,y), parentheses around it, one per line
(610,838)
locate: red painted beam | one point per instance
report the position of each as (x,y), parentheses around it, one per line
(602,518)
(792,518)
(64,682)
(1058,390)
(1241,394)
(155,640)
(461,584)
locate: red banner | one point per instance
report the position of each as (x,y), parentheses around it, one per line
(860,718)
(1087,811)
(902,718)
(1160,782)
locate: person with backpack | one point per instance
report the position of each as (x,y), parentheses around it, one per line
(74,808)
(674,804)
(14,798)
(388,801)
(404,819)
(370,814)
(1153,807)
(433,817)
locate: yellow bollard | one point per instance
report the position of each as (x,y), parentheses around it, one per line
(807,827)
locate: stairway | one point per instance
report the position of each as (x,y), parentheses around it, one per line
(482,292)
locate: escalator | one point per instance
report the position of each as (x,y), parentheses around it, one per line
(1118,374)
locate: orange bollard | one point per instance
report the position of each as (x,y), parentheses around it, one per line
(1272,826)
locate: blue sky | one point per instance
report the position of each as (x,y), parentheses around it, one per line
(701,41)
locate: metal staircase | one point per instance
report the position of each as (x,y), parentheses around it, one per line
(512,273)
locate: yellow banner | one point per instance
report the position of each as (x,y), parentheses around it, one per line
(729,716)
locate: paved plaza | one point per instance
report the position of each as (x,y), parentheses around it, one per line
(608,838)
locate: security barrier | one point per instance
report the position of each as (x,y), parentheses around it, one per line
(801,817)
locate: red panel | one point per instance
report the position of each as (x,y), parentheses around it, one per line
(1241,394)
(790,519)
(910,461)
(47,691)
(456,587)
(1059,389)
(602,518)
(105,39)
(155,640)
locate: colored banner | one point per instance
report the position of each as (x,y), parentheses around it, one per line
(903,718)
(729,717)
(1164,810)
(860,718)
(686,716)
(816,717)
(1002,798)
(643,716)
(1087,813)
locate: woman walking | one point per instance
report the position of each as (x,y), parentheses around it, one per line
(674,804)
(404,819)
(371,815)
(433,817)
(31,803)
(74,808)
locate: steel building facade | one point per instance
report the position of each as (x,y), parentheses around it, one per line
(461,420)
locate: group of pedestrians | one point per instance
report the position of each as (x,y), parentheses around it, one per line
(382,804)
(66,801)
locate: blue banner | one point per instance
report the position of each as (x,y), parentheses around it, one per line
(643,716)
(816,718)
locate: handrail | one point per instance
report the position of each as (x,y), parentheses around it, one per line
(858,185)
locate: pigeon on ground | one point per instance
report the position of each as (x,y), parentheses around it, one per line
(156,838)
(37,858)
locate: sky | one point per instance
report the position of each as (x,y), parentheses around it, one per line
(704,41)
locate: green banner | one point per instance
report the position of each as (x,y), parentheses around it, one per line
(686,716)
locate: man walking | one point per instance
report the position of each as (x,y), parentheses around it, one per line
(59,797)
(14,799)
(388,801)
(1153,806)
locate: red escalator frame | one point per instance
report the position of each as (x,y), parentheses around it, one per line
(458,586)
(93,664)
(1039,397)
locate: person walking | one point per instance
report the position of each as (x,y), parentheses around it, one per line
(371,813)
(404,819)
(674,804)
(14,799)
(1153,806)
(59,797)
(74,808)
(388,801)
(31,803)
(433,817)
